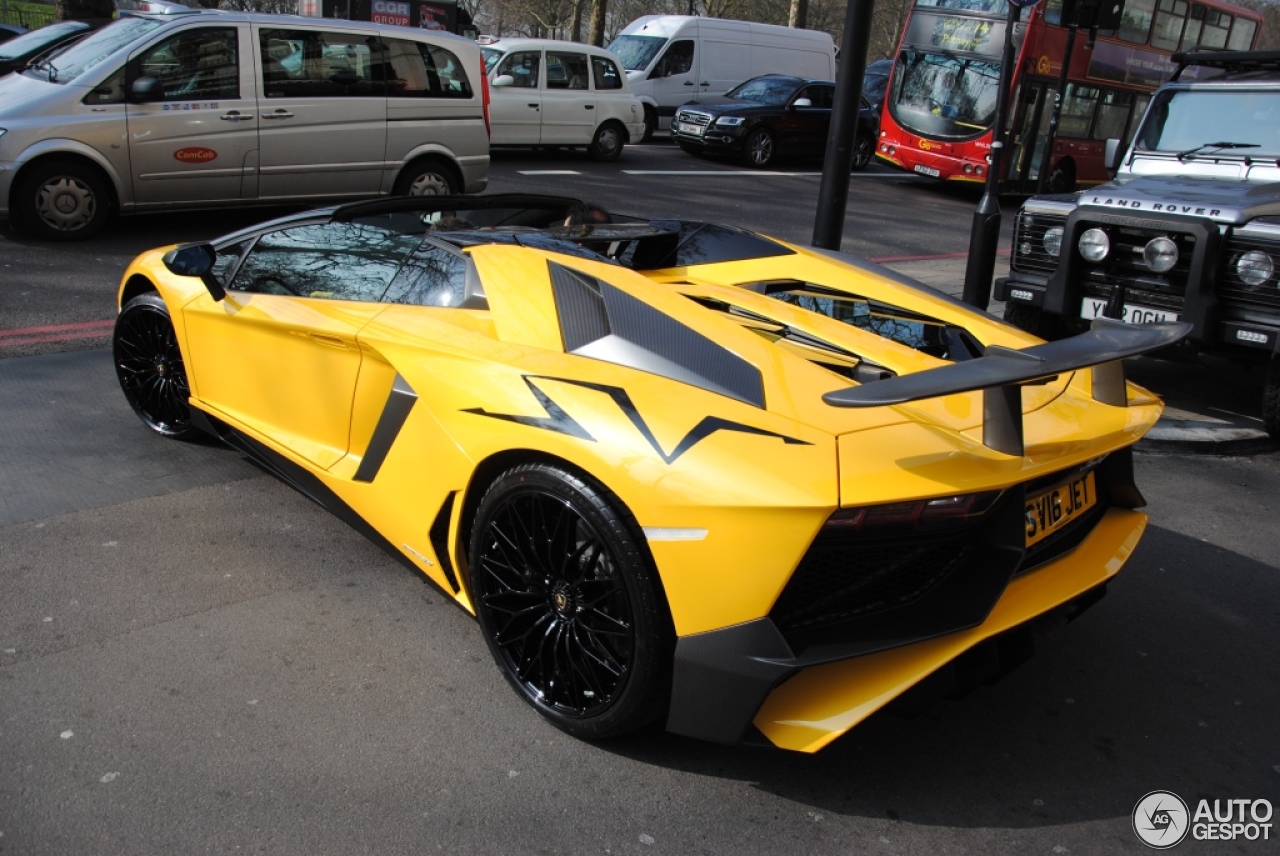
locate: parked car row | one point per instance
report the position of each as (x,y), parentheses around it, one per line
(310,109)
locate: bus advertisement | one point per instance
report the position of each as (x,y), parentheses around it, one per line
(445,15)
(937,117)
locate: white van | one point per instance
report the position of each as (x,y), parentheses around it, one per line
(674,59)
(226,109)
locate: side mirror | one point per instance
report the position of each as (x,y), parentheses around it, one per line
(802,102)
(145,89)
(504,80)
(196,260)
(1111,159)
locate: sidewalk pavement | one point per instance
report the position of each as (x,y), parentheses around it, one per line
(1212,406)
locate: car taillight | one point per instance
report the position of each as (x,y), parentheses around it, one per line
(912,516)
(484,97)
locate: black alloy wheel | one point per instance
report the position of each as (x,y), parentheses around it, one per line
(150,368)
(569,603)
(863,148)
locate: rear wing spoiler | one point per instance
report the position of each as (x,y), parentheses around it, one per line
(1002,372)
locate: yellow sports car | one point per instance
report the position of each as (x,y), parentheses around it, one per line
(680,472)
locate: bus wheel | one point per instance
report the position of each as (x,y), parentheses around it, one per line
(1063,178)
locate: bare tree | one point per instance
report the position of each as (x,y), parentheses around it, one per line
(599,8)
(76,10)
(799,12)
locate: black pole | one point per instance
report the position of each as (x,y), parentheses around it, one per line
(833,194)
(1057,111)
(984,237)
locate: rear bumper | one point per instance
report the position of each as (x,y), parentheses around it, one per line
(744,684)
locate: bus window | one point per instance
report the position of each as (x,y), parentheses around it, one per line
(1242,34)
(1216,26)
(1169,19)
(1113,114)
(1136,23)
(1077,111)
(1195,24)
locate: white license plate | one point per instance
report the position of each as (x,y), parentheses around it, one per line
(927,170)
(686,128)
(1092,307)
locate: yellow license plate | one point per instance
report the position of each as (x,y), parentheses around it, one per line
(1050,510)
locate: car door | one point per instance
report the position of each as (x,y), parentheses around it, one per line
(806,125)
(675,77)
(198,140)
(279,356)
(515,99)
(569,114)
(322,114)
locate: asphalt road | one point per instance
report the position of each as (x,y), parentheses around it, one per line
(194,659)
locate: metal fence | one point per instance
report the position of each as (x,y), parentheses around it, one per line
(29,15)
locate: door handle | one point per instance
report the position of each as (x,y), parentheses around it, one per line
(705,83)
(688,83)
(234,116)
(326,339)
(534,106)
(588,106)
(278,114)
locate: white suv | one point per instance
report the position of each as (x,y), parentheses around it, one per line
(557,93)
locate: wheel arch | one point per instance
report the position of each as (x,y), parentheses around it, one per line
(76,154)
(431,156)
(487,472)
(135,285)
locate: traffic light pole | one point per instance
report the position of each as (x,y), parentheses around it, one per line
(985,234)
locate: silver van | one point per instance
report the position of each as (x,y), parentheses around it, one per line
(221,109)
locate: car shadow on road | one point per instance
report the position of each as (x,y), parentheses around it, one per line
(1170,682)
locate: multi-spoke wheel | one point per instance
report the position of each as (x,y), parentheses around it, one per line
(569,602)
(149,366)
(759,149)
(863,148)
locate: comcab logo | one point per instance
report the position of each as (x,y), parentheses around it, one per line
(195,154)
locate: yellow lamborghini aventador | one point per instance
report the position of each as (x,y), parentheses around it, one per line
(678,471)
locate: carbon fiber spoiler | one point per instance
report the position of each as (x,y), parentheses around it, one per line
(1002,372)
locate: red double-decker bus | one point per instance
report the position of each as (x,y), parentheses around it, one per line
(937,118)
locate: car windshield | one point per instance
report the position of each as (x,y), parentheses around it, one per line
(94,48)
(636,52)
(32,42)
(944,95)
(765,90)
(1213,123)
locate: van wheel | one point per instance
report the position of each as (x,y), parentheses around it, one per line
(759,150)
(426,178)
(608,143)
(62,200)
(650,124)
(1271,399)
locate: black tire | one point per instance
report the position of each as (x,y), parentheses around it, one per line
(1062,179)
(650,124)
(864,148)
(1035,321)
(1271,399)
(569,602)
(759,150)
(607,144)
(150,369)
(427,177)
(62,200)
